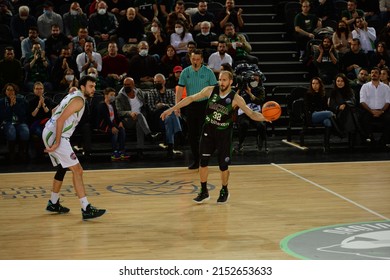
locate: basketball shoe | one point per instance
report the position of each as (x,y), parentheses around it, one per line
(202,196)
(92,212)
(223,196)
(56,207)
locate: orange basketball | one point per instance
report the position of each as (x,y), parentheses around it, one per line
(271,110)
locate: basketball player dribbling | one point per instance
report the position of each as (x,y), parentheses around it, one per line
(217,130)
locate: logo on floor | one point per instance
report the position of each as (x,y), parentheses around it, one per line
(165,187)
(358,241)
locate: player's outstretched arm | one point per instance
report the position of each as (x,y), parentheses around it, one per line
(204,93)
(240,102)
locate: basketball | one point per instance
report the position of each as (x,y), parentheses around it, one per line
(271,110)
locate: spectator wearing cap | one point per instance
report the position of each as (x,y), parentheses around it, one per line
(173,79)
(47,19)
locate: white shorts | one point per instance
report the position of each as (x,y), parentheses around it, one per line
(64,154)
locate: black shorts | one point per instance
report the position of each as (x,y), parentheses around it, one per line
(213,139)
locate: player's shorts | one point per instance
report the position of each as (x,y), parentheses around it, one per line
(64,154)
(220,140)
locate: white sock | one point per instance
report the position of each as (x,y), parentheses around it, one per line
(84,202)
(54,197)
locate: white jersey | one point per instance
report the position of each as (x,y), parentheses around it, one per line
(71,123)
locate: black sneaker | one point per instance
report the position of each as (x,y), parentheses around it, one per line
(223,196)
(202,196)
(56,208)
(92,212)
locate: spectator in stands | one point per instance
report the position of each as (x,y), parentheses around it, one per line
(384,35)
(254,96)
(110,123)
(79,41)
(157,39)
(5,13)
(238,47)
(119,7)
(13,116)
(200,16)
(88,58)
(365,34)
(316,108)
(68,80)
(384,7)
(47,19)
(180,38)
(37,68)
(357,83)
(101,83)
(230,15)
(173,79)
(375,101)
(219,57)
(206,40)
(385,76)
(10,69)
(325,10)
(63,62)
(130,30)
(178,14)
(27,43)
(39,113)
(74,20)
(169,61)
(159,99)
(186,60)
(194,78)
(381,57)
(305,23)
(102,24)
(114,66)
(20,25)
(130,105)
(147,10)
(371,10)
(341,38)
(143,66)
(326,60)
(354,60)
(343,104)
(55,42)
(351,13)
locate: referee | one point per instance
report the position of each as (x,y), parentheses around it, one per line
(195,78)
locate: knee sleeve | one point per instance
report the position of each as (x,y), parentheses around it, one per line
(223,166)
(204,161)
(60,174)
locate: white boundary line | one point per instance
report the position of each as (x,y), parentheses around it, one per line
(332,192)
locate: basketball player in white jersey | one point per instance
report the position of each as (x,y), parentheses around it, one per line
(56,135)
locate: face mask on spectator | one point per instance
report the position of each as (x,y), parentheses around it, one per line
(74,13)
(205,33)
(102,11)
(24,17)
(143,52)
(128,89)
(158,86)
(154,29)
(47,12)
(111,99)
(92,75)
(179,30)
(69,77)
(254,84)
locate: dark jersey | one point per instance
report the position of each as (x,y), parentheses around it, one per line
(219,111)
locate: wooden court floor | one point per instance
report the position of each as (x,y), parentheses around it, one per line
(151,214)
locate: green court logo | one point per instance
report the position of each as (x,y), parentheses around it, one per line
(359,241)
